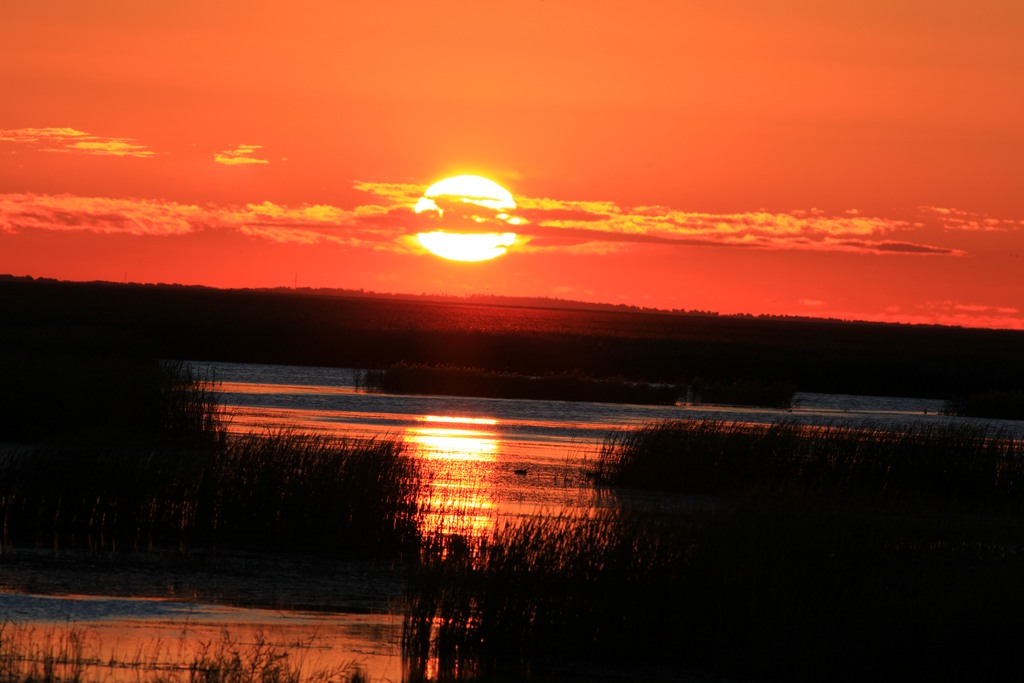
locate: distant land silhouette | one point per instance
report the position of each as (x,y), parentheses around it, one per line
(482,299)
(352,328)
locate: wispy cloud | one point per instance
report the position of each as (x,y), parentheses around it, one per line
(73,141)
(103,215)
(392,194)
(288,235)
(593,222)
(70,140)
(604,227)
(950,312)
(958,219)
(303,224)
(387,221)
(241,154)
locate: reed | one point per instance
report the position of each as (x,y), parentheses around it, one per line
(74,395)
(73,654)
(825,553)
(274,492)
(185,408)
(971,465)
(758,589)
(533,592)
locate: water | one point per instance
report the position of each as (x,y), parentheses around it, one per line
(494,458)
(327,400)
(486,460)
(156,639)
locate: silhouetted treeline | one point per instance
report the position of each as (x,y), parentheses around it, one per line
(269,327)
(453,381)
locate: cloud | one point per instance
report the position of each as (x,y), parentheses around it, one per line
(386,220)
(103,215)
(959,220)
(555,224)
(982,308)
(392,194)
(242,154)
(40,135)
(302,224)
(943,313)
(74,141)
(899,248)
(317,213)
(606,227)
(70,140)
(966,314)
(288,235)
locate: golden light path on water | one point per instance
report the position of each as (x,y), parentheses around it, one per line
(472,475)
(459,499)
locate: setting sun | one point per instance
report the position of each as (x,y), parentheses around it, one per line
(466,246)
(466,189)
(465,204)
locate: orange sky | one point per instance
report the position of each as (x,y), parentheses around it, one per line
(850,159)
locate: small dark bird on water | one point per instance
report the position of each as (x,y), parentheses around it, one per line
(521,472)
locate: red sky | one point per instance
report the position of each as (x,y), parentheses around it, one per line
(849,159)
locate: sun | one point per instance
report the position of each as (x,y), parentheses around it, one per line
(467,246)
(465,206)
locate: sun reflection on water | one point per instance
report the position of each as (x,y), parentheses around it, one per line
(453,444)
(458,461)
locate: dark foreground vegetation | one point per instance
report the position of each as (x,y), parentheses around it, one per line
(824,554)
(304,329)
(271,493)
(967,466)
(147,465)
(754,589)
(73,394)
(65,654)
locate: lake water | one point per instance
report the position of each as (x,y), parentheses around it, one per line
(494,458)
(486,460)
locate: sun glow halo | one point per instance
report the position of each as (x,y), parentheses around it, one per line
(468,200)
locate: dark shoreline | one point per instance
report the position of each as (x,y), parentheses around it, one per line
(194,323)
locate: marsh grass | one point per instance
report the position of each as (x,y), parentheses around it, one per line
(274,492)
(757,589)
(72,654)
(565,386)
(825,553)
(132,454)
(186,407)
(970,465)
(29,654)
(531,592)
(50,395)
